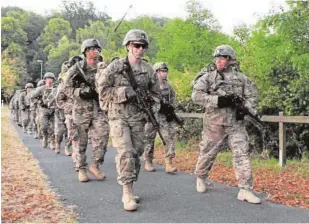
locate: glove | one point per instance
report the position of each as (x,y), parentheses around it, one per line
(130,93)
(225,101)
(85,93)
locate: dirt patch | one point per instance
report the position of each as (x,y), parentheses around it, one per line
(288,185)
(25,195)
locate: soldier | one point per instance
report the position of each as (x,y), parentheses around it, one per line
(60,130)
(38,111)
(24,105)
(12,106)
(47,118)
(87,115)
(16,107)
(66,103)
(216,90)
(167,126)
(127,120)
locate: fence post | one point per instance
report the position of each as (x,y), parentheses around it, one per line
(282,141)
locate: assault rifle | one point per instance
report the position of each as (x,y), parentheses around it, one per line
(169,111)
(143,99)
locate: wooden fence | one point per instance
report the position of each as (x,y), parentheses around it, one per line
(281,119)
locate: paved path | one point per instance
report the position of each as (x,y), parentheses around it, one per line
(164,197)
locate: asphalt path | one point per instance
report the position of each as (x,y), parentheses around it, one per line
(164,197)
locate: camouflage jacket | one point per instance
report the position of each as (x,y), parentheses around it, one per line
(23,101)
(211,84)
(63,101)
(112,84)
(71,87)
(167,92)
(41,94)
(33,102)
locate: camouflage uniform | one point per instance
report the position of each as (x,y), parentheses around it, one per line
(47,115)
(66,104)
(126,119)
(16,107)
(38,111)
(87,115)
(220,121)
(60,130)
(167,128)
(24,105)
(13,105)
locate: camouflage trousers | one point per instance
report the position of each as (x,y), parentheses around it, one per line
(168,131)
(32,123)
(128,137)
(25,118)
(238,141)
(48,124)
(15,115)
(98,126)
(60,128)
(38,122)
(70,131)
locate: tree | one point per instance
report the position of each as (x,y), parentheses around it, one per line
(11,32)
(61,53)
(80,13)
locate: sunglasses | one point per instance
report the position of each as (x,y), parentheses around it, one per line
(135,45)
(94,48)
(222,56)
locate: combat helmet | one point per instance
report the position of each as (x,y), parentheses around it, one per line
(49,75)
(225,50)
(90,43)
(160,66)
(136,35)
(29,85)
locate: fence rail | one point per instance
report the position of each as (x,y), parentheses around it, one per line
(281,119)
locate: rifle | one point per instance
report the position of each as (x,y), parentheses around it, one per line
(143,100)
(169,111)
(82,77)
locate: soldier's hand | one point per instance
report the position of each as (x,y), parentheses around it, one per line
(225,101)
(130,93)
(85,93)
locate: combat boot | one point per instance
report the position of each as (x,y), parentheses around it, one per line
(67,151)
(57,147)
(201,185)
(44,142)
(95,170)
(29,132)
(52,146)
(36,136)
(169,168)
(128,200)
(24,129)
(82,175)
(246,195)
(149,166)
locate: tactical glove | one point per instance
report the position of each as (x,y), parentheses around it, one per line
(225,101)
(85,93)
(130,93)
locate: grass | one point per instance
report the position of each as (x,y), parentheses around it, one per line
(25,195)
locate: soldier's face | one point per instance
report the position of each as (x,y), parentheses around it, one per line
(137,49)
(49,82)
(28,90)
(163,74)
(221,62)
(93,54)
